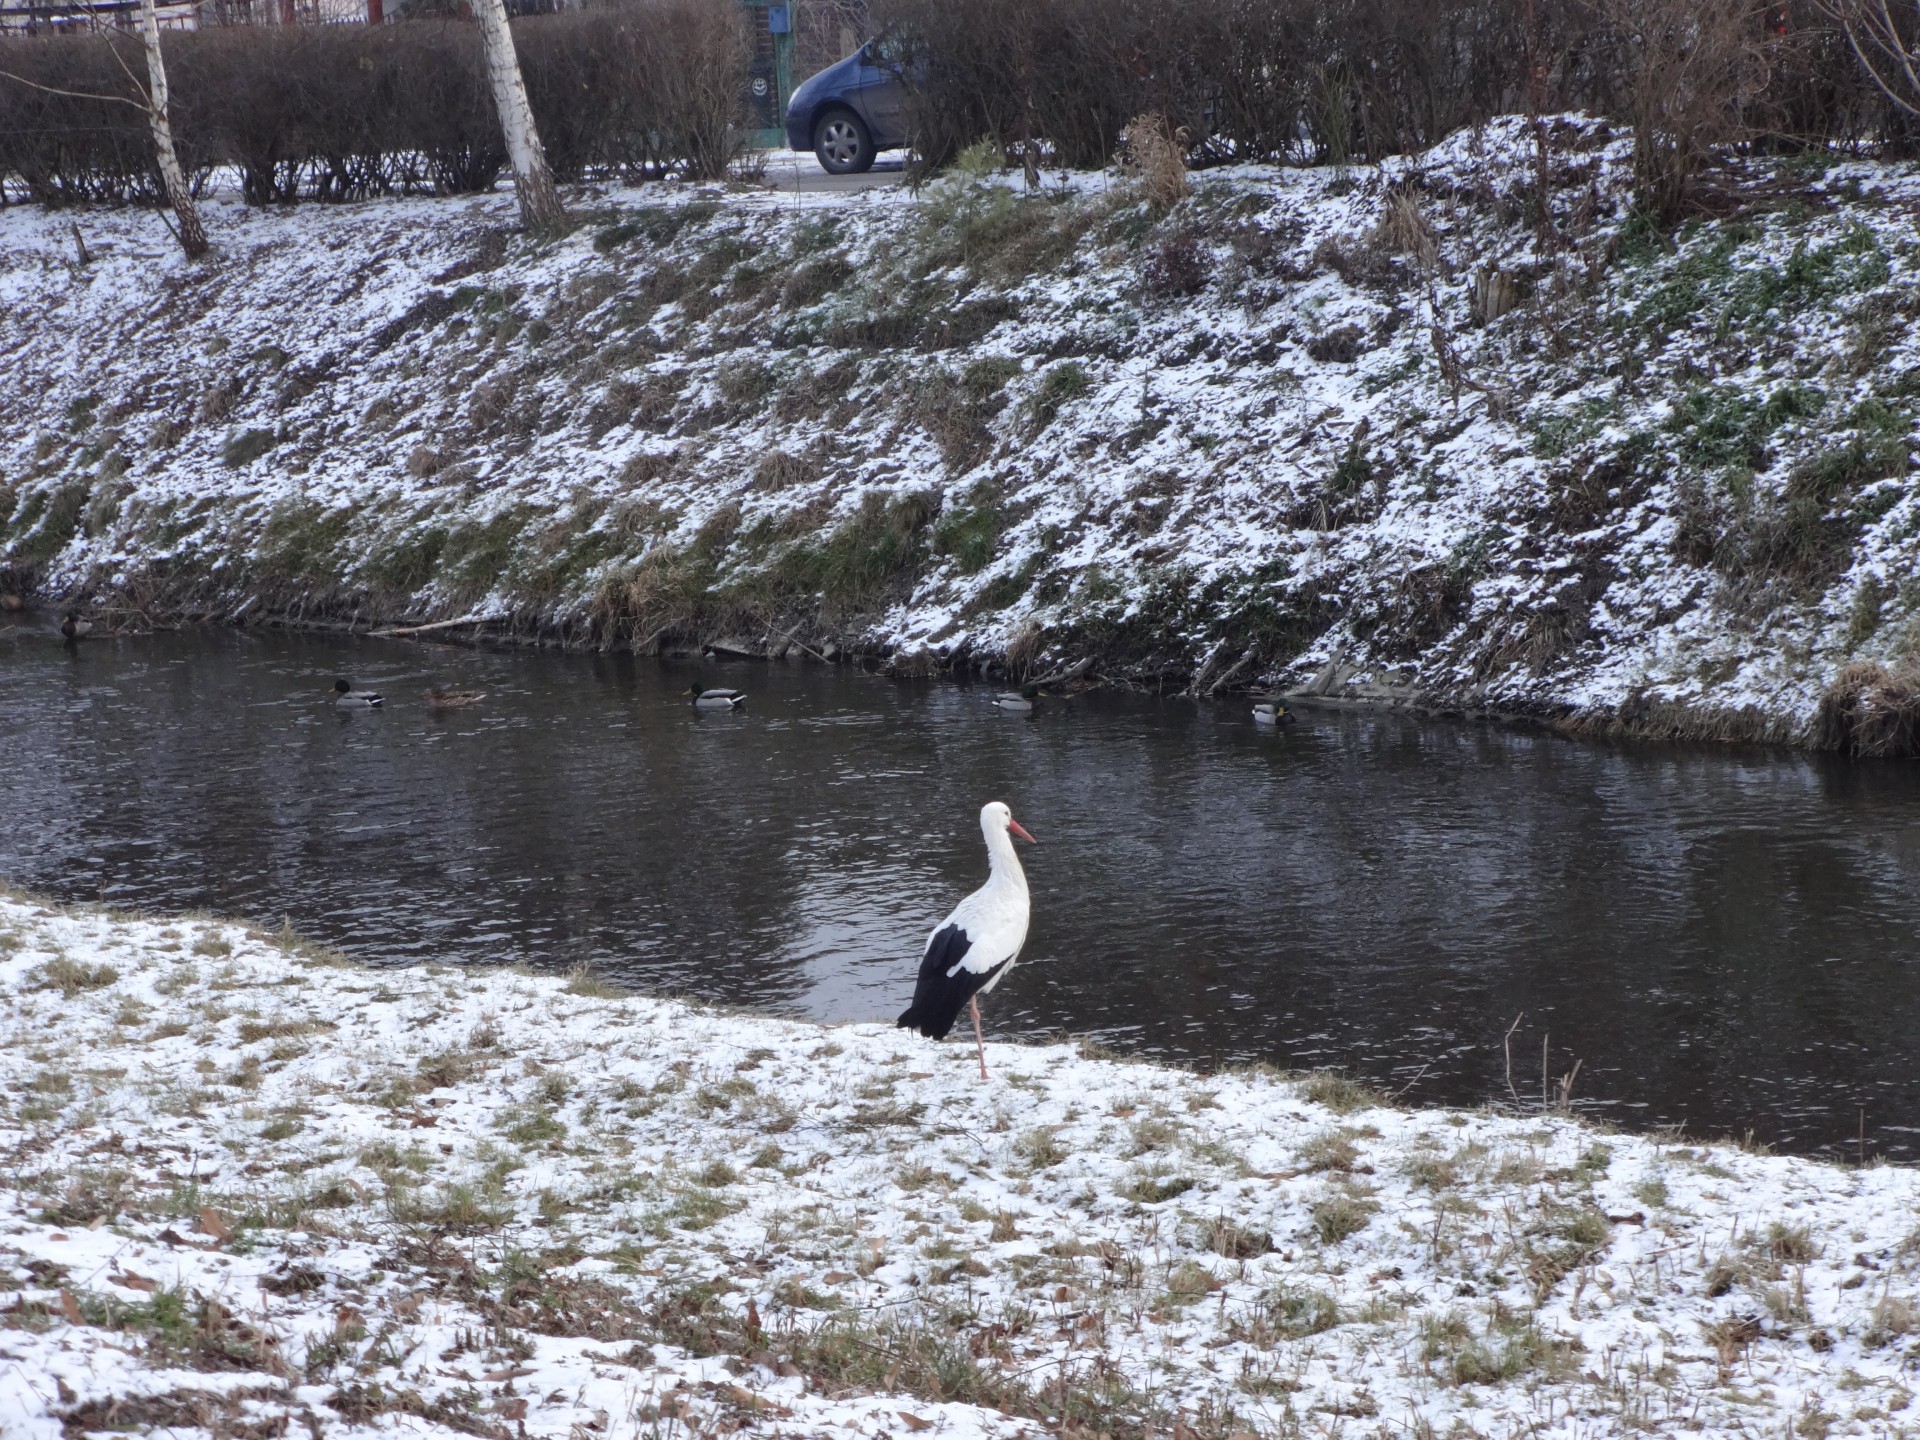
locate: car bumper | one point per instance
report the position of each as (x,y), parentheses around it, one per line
(799,133)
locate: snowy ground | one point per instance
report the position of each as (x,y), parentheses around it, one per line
(249,1183)
(1373,429)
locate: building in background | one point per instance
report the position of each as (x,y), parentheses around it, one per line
(825,31)
(53,17)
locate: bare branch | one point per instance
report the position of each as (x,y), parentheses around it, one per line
(1874,36)
(140,105)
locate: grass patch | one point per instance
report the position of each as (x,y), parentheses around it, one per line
(531,1125)
(1511,1347)
(970,533)
(583,982)
(71,977)
(1341,1214)
(456,1210)
(1157,1189)
(246,446)
(1059,387)
(301,542)
(1340,1093)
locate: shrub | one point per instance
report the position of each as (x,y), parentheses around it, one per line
(339,112)
(1177,266)
(1291,80)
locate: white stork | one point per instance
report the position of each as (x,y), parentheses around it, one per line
(976,945)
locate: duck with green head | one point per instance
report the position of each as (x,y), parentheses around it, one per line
(348,698)
(1018,702)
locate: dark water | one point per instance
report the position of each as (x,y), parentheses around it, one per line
(1724,938)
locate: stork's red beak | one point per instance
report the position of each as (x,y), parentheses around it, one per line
(1014,828)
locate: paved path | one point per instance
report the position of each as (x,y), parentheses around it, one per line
(793,172)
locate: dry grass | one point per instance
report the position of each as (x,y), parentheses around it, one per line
(70,977)
(1341,1214)
(583,982)
(1340,1093)
(1870,711)
(1156,158)
(1403,230)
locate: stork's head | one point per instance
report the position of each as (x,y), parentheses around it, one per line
(996,818)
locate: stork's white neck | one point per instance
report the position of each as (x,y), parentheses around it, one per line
(1004,863)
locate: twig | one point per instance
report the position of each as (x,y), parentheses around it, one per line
(75,94)
(809,649)
(1413,1082)
(1564,1102)
(1506,1046)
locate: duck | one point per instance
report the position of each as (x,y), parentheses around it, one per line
(716,699)
(74,628)
(348,698)
(438,699)
(1018,702)
(1273,712)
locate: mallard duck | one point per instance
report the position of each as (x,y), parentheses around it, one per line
(74,628)
(453,699)
(1273,712)
(716,699)
(348,698)
(1018,702)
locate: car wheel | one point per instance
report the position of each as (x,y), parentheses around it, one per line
(841,140)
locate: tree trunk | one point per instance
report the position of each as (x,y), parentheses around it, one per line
(540,207)
(193,235)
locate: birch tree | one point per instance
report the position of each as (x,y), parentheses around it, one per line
(192,234)
(540,207)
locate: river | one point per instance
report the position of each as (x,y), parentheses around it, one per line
(1722,938)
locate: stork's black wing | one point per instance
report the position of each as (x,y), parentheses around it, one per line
(945,984)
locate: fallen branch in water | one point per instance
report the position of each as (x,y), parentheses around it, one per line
(421,629)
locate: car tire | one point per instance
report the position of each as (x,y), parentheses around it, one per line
(843,143)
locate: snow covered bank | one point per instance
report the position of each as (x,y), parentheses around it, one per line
(248,1182)
(1379,432)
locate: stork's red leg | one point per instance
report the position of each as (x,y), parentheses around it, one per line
(978,1040)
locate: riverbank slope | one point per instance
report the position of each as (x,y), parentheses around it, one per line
(1396,433)
(250,1183)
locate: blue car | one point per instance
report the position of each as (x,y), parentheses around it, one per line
(850,111)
